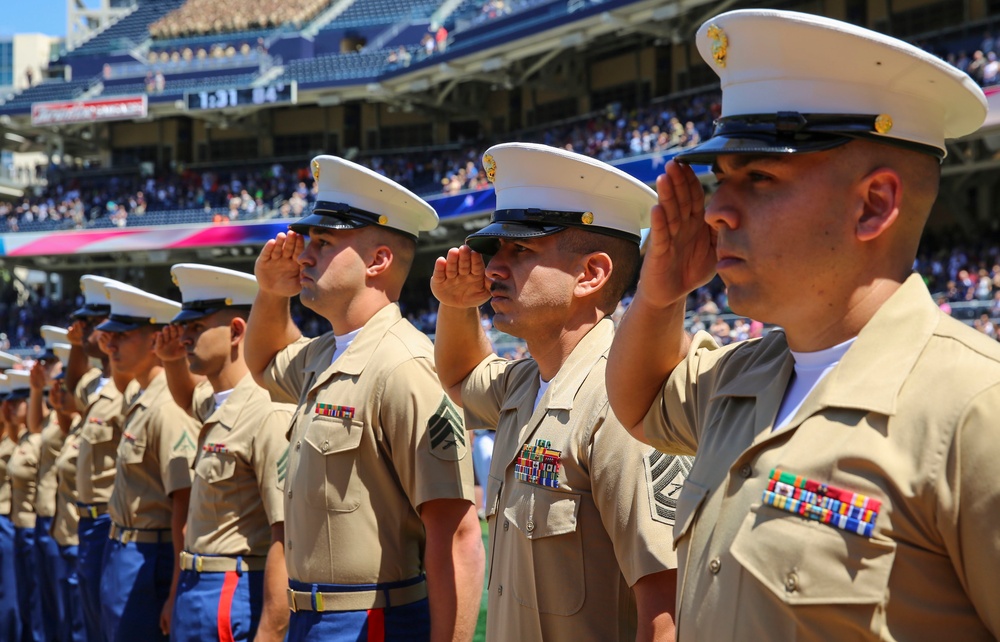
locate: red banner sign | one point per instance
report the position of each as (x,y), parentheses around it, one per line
(88,111)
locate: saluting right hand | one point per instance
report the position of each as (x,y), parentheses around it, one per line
(680,252)
(459,280)
(167,344)
(277,268)
(74,336)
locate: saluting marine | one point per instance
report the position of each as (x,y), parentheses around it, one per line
(10,612)
(98,396)
(148,506)
(379,486)
(41,419)
(70,627)
(233,577)
(580,514)
(845,483)
(23,471)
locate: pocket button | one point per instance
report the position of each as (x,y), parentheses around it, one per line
(792,582)
(746,471)
(326,446)
(530,526)
(715,565)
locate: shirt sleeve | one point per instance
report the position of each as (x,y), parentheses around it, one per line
(426,435)
(635,489)
(202,402)
(483,393)
(671,425)
(968,497)
(85,389)
(178,443)
(284,377)
(270,461)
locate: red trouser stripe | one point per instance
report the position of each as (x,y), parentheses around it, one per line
(226,606)
(376,625)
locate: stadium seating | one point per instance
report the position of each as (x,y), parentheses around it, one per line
(130,31)
(176,85)
(48,90)
(336,68)
(383,12)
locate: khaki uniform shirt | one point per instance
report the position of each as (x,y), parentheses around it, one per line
(154,459)
(23,471)
(52,443)
(67,518)
(373,438)
(242,455)
(578,510)
(908,417)
(7,446)
(100,432)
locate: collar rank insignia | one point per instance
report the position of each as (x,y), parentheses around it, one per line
(843,509)
(538,464)
(215,448)
(329,410)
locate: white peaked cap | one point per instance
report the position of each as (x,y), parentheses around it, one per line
(8,360)
(19,382)
(351,196)
(206,289)
(771,62)
(541,190)
(95,296)
(132,308)
(62,351)
(53,334)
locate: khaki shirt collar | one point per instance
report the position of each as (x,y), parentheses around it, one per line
(562,389)
(229,412)
(156,387)
(353,361)
(870,374)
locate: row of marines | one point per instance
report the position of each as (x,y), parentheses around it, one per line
(844,485)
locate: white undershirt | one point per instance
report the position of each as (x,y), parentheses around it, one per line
(810,368)
(103,381)
(344,342)
(220,397)
(542,387)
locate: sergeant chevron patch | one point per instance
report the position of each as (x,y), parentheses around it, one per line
(282,468)
(446,432)
(665,475)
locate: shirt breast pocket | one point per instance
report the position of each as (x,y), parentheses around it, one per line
(328,469)
(132,448)
(216,467)
(805,562)
(554,582)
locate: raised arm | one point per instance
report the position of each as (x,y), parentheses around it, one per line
(180,380)
(459,283)
(78,364)
(37,411)
(270,327)
(680,257)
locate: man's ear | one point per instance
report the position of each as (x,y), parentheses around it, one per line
(237,330)
(595,271)
(881,194)
(380,261)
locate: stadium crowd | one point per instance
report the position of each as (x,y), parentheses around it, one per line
(197,17)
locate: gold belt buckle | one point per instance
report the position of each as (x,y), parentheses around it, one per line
(199,563)
(291,601)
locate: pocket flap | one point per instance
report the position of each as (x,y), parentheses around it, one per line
(803,561)
(538,512)
(330,435)
(215,467)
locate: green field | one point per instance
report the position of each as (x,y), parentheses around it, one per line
(480,635)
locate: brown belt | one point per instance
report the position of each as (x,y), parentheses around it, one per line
(356,600)
(93,511)
(139,535)
(221,563)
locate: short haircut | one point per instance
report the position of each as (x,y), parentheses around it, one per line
(624,256)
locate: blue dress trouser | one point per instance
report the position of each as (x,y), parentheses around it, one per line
(48,561)
(135,585)
(93,535)
(407,623)
(27,585)
(217,606)
(10,614)
(70,627)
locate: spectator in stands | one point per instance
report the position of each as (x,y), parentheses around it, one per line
(441,39)
(991,70)
(976,66)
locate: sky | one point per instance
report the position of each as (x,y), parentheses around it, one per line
(33,16)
